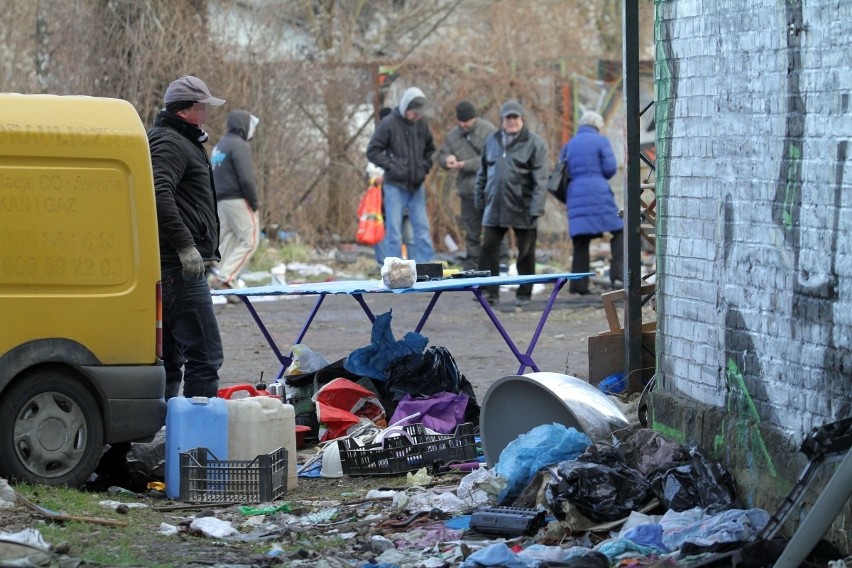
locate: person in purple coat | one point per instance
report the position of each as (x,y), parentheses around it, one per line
(591,206)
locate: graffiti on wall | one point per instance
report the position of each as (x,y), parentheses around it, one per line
(794,255)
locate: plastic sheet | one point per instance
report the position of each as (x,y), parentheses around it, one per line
(542,446)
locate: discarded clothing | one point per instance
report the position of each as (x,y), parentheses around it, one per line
(441,412)
(373,360)
(728,526)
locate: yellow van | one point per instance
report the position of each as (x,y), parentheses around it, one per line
(80,302)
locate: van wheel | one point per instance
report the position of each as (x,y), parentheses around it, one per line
(51,431)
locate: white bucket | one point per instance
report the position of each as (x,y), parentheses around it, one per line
(259,425)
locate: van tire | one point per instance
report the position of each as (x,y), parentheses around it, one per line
(51,430)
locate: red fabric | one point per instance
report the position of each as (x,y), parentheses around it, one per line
(371,223)
(340,405)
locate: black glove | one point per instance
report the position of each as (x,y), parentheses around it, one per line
(192,264)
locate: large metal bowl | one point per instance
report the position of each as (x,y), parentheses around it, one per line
(515,405)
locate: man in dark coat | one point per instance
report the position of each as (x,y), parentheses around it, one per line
(189,238)
(511,189)
(461,153)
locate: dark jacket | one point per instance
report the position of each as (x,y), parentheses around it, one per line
(183,187)
(233,168)
(591,206)
(403,149)
(467,148)
(511,184)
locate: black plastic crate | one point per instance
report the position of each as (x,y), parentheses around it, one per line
(398,454)
(206,479)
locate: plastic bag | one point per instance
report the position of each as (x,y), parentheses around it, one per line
(542,446)
(398,273)
(698,483)
(305,361)
(600,492)
(371,222)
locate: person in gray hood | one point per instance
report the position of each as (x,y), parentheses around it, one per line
(236,192)
(403,147)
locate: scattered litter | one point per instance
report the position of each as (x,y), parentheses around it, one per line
(265,510)
(213,527)
(419,478)
(7,495)
(109,504)
(167,529)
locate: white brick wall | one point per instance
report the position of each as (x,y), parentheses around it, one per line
(722,138)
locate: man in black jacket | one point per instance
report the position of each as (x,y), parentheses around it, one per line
(403,147)
(189,237)
(511,188)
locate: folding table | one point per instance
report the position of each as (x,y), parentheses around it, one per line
(358,289)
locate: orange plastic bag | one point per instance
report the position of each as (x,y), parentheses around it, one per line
(371,222)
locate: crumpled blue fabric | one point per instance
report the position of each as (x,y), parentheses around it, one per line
(542,446)
(497,554)
(615,548)
(373,360)
(647,535)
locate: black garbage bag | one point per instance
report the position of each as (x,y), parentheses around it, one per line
(699,482)
(429,373)
(600,492)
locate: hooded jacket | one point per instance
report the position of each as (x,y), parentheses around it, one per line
(233,168)
(403,149)
(466,147)
(184,190)
(511,184)
(591,205)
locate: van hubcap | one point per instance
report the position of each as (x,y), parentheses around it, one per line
(50,434)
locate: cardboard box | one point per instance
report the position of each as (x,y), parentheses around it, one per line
(606,357)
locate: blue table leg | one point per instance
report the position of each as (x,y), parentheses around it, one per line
(428,311)
(557,286)
(525,359)
(284,360)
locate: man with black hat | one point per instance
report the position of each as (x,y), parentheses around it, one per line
(403,147)
(189,238)
(461,152)
(511,189)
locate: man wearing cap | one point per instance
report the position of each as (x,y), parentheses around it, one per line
(511,189)
(461,153)
(403,147)
(189,238)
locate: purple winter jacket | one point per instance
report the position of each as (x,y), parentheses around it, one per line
(591,205)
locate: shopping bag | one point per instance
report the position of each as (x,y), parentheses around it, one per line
(557,182)
(371,223)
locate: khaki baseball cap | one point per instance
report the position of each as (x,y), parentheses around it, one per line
(192,89)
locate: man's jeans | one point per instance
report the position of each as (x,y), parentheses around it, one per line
(190,336)
(396,201)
